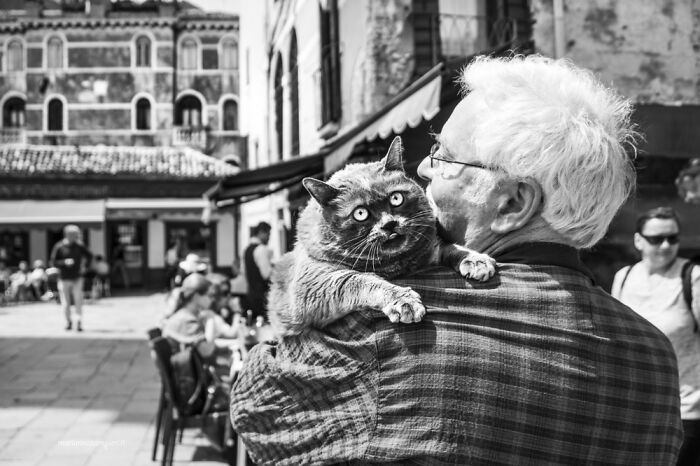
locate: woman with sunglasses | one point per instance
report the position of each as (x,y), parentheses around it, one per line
(653,287)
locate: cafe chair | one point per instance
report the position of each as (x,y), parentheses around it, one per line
(179,414)
(154,333)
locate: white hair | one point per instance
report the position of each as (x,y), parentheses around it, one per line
(554,122)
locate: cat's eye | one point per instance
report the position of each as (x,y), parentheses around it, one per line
(360,214)
(396,199)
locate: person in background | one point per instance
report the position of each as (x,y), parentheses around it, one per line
(20,284)
(101,283)
(39,280)
(174,254)
(119,263)
(654,288)
(537,365)
(186,324)
(258,268)
(72,259)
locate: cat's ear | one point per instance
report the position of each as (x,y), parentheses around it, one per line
(322,192)
(393,160)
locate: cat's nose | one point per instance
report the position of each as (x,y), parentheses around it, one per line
(390,226)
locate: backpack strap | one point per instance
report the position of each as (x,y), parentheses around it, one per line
(686,277)
(624,278)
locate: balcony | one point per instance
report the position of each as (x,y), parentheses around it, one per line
(12,136)
(190,136)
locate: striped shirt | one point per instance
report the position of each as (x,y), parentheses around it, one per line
(536,366)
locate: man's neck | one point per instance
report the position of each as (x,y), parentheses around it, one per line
(652,267)
(535,232)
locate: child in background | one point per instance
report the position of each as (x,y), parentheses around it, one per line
(38,280)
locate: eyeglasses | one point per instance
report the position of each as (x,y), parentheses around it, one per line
(434,162)
(657,240)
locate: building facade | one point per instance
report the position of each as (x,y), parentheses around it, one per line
(333,67)
(339,78)
(131,92)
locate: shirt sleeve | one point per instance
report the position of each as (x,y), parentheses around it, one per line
(263,259)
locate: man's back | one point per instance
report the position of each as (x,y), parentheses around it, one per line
(533,367)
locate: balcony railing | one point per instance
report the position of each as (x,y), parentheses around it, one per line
(459,35)
(190,136)
(12,136)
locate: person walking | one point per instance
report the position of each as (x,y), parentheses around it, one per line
(258,268)
(665,290)
(72,259)
(534,366)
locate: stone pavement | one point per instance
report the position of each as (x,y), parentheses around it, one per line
(83,399)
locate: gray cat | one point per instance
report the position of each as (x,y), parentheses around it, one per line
(368,223)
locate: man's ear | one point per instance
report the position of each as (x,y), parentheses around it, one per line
(518,202)
(319,190)
(393,160)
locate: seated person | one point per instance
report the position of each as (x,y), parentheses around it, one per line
(186,324)
(20,283)
(192,264)
(39,280)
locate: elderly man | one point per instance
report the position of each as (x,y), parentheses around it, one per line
(71,258)
(535,366)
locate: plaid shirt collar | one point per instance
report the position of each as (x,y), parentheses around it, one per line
(543,253)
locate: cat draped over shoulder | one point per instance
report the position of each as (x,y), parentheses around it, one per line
(369,223)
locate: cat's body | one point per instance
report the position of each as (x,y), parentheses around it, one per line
(369,223)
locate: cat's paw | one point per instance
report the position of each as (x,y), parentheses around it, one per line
(477,266)
(405,307)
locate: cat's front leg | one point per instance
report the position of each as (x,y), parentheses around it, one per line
(469,263)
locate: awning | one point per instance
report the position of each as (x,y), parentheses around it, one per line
(418,102)
(156,204)
(54,212)
(249,185)
(415,104)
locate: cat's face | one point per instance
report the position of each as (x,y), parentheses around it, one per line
(373,215)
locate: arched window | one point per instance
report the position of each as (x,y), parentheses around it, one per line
(294,94)
(229,54)
(13,113)
(55,122)
(15,56)
(279,107)
(143,52)
(230,115)
(189,54)
(54,53)
(188,111)
(143,114)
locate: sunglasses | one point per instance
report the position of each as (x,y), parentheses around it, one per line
(657,240)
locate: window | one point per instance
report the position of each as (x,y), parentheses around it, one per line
(330,63)
(229,55)
(13,113)
(279,106)
(55,122)
(54,53)
(189,111)
(189,54)
(230,115)
(15,56)
(294,94)
(143,52)
(143,114)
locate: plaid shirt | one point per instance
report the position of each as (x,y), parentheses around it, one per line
(535,366)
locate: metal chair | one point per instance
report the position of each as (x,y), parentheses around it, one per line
(179,414)
(154,333)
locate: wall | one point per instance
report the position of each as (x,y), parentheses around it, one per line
(646,49)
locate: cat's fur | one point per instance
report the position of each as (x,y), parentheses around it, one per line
(340,264)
